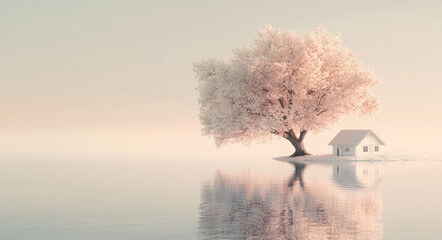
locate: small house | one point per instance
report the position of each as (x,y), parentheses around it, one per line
(357,143)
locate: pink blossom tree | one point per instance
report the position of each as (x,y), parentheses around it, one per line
(285,84)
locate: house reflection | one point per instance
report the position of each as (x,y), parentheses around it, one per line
(357,175)
(248,206)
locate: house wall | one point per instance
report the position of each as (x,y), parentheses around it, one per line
(360,150)
(342,151)
(381,149)
(335,150)
(371,141)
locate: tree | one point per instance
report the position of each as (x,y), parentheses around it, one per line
(283,84)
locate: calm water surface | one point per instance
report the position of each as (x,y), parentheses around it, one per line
(219,199)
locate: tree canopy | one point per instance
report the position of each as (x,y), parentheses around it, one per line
(283,84)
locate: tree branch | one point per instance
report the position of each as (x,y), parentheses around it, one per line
(321,112)
(282,102)
(292,134)
(302,135)
(276,132)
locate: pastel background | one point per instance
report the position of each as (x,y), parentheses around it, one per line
(113,79)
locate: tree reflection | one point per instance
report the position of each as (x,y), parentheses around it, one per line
(251,207)
(297,176)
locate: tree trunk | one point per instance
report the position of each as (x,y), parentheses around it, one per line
(298,143)
(300,150)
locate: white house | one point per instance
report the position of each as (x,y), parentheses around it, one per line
(357,143)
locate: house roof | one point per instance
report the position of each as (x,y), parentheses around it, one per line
(352,137)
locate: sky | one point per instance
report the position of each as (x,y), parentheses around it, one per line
(114,78)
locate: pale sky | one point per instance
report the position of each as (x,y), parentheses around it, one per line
(114,78)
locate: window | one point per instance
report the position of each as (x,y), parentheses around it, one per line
(376,148)
(365,172)
(347,149)
(365,148)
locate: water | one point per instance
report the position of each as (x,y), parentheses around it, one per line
(219,199)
